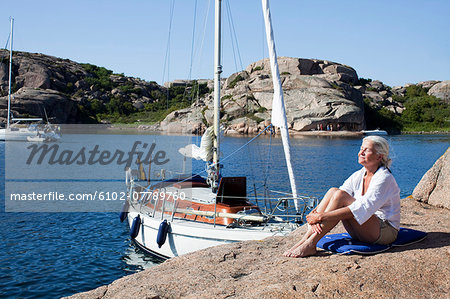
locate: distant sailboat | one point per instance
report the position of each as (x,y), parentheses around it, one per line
(190,212)
(14,131)
(375,132)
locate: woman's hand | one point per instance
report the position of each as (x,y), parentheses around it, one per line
(314,217)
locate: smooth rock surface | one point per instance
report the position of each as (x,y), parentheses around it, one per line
(33,101)
(59,85)
(316,92)
(257,269)
(441,90)
(434,187)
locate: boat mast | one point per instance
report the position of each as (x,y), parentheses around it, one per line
(10,71)
(217,72)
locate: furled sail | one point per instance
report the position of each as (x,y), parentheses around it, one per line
(278,109)
(204,152)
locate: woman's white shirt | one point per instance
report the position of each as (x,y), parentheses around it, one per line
(382,198)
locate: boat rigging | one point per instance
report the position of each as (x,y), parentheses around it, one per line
(188,212)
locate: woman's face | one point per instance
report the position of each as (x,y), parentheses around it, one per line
(368,156)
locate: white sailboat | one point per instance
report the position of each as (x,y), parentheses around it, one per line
(190,213)
(14,130)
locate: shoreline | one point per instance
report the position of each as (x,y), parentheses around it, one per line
(424,133)
(152,129)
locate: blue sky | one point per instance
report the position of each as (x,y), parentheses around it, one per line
(397,42)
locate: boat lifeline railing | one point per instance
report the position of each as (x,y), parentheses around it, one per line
(304,205)
(223,215)
(240,217)
(174,203)
(264,218)
(160,202)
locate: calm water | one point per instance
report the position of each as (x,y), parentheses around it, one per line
(57,254)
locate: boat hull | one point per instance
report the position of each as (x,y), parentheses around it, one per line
(186,236)
(27,134)
(21,134)
(375,132)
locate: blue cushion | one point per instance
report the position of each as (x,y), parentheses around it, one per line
(344,244)
(407,236)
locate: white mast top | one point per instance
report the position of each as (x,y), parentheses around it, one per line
(217,72)
(10,71)
(278,110)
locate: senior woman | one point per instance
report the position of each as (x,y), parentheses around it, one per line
(368,203)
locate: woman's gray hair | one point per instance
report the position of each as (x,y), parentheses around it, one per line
(382,147)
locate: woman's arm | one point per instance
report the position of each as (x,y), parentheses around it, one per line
(315,217)
(335,215)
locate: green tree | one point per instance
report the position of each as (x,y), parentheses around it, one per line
(99,76)
(423,111)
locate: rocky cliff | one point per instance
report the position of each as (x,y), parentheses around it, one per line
(319,94)
(64,88)
(257,269)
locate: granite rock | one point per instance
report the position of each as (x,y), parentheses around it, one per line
(434,188)
(441,90)
(38,102)
(60,85)
(315,92)
(257,269)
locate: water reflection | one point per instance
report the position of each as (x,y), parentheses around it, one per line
(137,260)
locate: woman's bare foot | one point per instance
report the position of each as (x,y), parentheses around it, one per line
(289,251)
(304,250)
(304,238)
